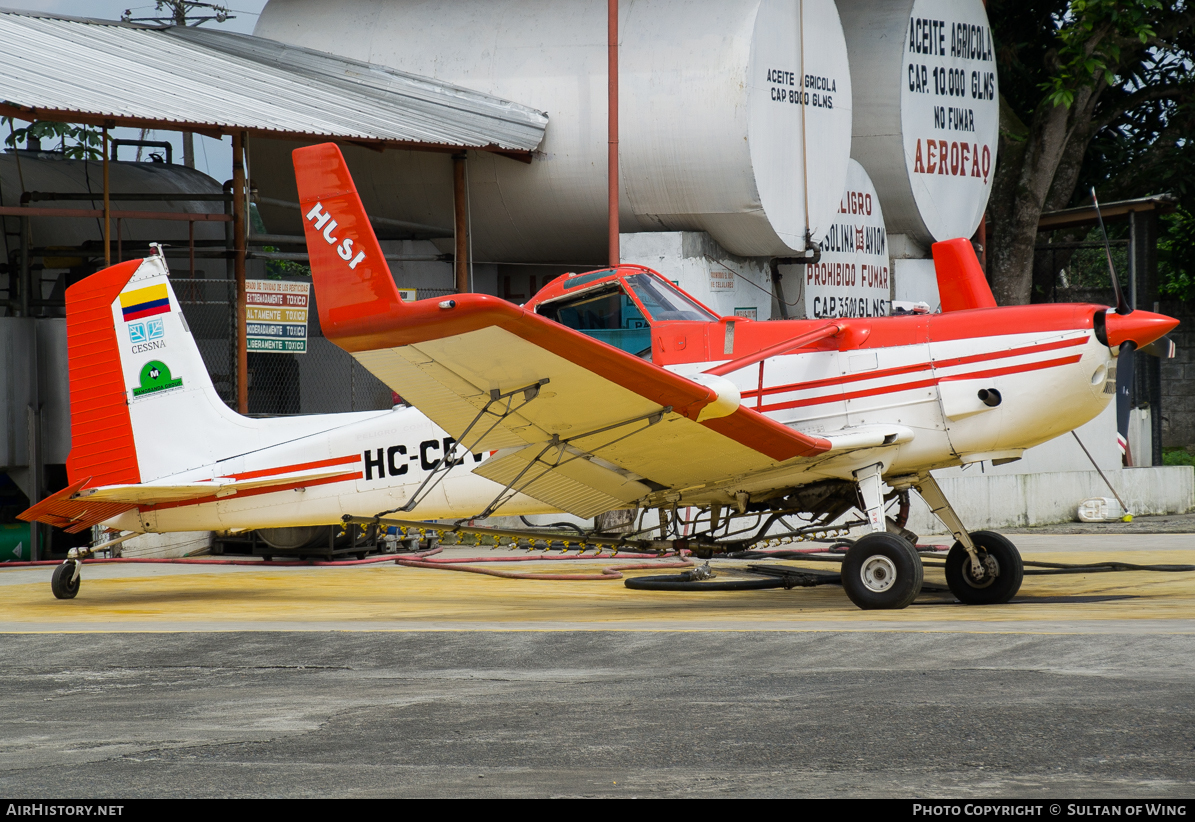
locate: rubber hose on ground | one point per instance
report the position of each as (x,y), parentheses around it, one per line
(683,582)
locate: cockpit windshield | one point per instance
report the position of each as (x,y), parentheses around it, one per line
(608,315)
(663,302)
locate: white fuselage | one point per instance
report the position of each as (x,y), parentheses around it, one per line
(1049,383)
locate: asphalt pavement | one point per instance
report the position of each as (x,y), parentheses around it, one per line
(457,685)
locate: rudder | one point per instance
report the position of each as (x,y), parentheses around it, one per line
(142,403)
(354,286)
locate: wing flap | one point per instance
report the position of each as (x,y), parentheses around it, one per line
(564,478)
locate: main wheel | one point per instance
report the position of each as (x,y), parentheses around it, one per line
(1003,570)
(64,584)
(882,571)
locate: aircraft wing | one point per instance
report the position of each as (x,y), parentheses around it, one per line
(579,424)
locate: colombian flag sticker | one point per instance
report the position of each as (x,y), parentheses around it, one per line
(145,302)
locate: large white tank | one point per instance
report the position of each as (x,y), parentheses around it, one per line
(852,277)
(927,110)
(735,117)
(48,172)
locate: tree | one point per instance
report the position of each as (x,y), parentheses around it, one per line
(1072,71)
(84,143)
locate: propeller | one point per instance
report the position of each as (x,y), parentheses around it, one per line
(1162,347)
(1124,364)
(1122,305)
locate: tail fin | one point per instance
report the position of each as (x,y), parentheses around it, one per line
(353,284)
(102,445)
(961,282)
(142,403)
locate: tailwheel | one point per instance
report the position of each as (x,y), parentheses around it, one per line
(65,582)
(1000,578)
(882,572)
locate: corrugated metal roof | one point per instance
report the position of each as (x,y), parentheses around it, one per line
(227,82)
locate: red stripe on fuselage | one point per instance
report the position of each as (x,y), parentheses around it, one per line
(253,492)
(912,369)
(290,469)
(911,386)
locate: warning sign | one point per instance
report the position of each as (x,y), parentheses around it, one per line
(276,312)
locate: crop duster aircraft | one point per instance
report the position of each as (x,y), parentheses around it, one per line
(609,390)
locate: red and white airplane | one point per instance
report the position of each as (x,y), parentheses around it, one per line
(609,390)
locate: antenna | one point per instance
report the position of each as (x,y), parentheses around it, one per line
(1122,306)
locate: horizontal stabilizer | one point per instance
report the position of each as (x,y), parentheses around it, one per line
(63,510)
(77,507)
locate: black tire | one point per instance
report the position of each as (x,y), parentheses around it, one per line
(882,572)
(998,554)
(63,583)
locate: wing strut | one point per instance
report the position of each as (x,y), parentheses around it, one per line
(450,460)
(562,448)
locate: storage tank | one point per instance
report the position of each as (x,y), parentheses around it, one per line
(927,110)
(81,240)
(735,117)
(852,277)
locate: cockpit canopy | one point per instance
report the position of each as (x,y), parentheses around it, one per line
(618,306)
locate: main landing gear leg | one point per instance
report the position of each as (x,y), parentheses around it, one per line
(881,570)
(982,568)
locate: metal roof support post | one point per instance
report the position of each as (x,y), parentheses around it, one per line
(26,278)
(460,224)
(33,433)
(238,241)
(612,126)
(107,211)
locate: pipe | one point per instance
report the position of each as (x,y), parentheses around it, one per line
(238,241)
(615,254)
(830,330)
(116,144)
(197,561)
(432,230)
(460,227)
(107,207)
(418,556)
(608,572)
(92,213)
(616,543)
(26,278)
(302,256)
(151,197)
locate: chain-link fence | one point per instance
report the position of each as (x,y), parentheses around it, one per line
(324,380)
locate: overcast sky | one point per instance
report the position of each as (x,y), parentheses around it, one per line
(245,11)
(214,157)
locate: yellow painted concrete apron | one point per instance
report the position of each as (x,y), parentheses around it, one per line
(386,597)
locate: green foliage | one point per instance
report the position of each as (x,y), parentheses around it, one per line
(85,143)
(276,269)
(1176,256)
(1090,36)
(284,269)
(1177,456)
